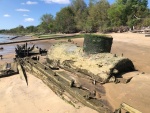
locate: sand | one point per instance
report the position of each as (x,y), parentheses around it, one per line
(17,97)
(136,93)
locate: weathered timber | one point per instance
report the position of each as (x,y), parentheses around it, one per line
(8,69)
(25,51)
(66,77)
(21,72)
(84,82)
(127,108)
(57,82)
(100,67)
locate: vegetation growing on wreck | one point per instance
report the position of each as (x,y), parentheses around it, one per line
(97,43)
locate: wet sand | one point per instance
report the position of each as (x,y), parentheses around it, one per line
(17,97)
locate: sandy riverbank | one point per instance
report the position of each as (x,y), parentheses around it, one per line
(17,97)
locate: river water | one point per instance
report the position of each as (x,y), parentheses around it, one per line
(5,38)
(10,48)
(7,49)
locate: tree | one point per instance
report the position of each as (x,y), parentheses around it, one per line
(79,8)
(98,18)
(125,12)
(92,3)
(146,22)
(65,20)
(31,29)
(47,23)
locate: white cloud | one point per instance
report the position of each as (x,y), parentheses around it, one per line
(29,19)
(25,15)
(57,1)
(6,15)
(23,10)
(31,3)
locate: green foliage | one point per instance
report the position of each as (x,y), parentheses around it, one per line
(146,22)
(65,20)
(79,8)
(97,43)
(98,15)
(47,23)
(127,12)
(31,29)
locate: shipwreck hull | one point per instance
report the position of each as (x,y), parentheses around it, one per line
(78,73)
(100,67)
(97,44)
(8,69)
(62,83)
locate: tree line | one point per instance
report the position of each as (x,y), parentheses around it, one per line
(97,16)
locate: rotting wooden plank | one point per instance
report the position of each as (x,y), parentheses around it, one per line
(129,108)
(66,77)
(8,69)
(21,72)
(14,66)
(38,70)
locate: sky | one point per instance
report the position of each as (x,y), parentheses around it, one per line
(28,12)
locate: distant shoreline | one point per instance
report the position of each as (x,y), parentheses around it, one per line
(36,39)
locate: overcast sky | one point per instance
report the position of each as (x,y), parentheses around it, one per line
(23,12)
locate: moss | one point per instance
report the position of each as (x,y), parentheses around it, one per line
(97,43)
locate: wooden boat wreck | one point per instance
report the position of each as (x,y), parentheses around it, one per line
(25,51)
(77,74)
(8,69)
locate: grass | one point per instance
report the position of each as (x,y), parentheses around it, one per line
(62,36)
(58,36)
(71,37)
